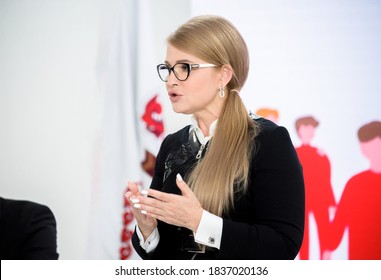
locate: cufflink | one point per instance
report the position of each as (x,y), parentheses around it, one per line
(211,240)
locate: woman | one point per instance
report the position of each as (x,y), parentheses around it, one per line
(242,196)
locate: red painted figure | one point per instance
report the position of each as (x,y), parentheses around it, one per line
(359,209)
(317,179)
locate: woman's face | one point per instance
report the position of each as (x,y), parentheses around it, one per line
(197,94)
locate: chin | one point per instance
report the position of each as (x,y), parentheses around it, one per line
(181,109)
(178,110)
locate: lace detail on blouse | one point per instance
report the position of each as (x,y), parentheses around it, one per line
(188,150)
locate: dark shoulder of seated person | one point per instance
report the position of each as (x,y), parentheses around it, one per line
(27,231)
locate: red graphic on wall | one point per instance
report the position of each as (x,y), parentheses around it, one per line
(268,113)
(153,117)
(359,209)
(318,189)
(126,235)
(148,164)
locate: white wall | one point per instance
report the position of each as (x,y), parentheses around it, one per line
(168,15)
(50,109)
(313,57)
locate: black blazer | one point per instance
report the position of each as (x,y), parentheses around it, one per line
(27,231)
(267,222)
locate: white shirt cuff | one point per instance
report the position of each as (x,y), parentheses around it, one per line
(209,231)
(151,243)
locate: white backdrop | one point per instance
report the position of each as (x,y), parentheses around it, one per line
(320,58)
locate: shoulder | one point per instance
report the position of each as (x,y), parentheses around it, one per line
(23,210)
(269,129)
(172,142)
(178,137)
(360,178)
(28,231)
(273,143)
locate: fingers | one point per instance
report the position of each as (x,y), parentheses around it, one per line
(133,195)
(133,187)
(150,209)
(184,188)
(152,202)
(140,201)
(134,191)
(168,207)
(179,178)
(158,195)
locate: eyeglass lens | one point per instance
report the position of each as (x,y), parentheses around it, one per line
(181,71)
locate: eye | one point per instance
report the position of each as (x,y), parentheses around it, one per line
(163,67)
(182,67)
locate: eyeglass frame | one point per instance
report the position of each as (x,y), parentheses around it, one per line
(190,66)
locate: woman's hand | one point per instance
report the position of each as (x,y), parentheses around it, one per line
(179,210)
(145,223)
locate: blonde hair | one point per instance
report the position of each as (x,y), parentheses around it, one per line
(225,167)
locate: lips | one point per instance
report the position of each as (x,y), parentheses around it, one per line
(174,96)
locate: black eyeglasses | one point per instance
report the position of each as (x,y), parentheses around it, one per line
(181,70)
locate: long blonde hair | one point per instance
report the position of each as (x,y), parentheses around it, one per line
(225,167)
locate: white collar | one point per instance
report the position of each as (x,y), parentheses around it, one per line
(200,136)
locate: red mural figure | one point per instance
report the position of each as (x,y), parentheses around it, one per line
(359,208)
(320,199)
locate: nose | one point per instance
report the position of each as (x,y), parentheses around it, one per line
(171,79)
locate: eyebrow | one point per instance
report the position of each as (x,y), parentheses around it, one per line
(180,61)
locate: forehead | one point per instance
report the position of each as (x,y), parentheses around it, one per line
(175,55)
(307,126)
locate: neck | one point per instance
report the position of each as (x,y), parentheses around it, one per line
(376,168)
(204,122)
(204,126)
(208,115)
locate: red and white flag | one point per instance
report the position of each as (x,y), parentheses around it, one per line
(132,127)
